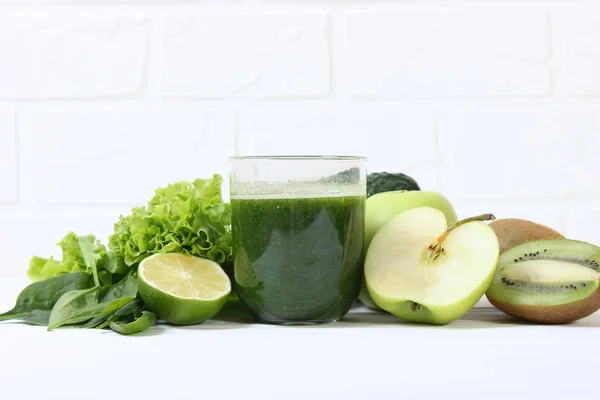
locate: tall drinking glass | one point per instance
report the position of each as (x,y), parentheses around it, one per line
(298,235)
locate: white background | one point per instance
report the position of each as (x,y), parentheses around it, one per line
(494,103)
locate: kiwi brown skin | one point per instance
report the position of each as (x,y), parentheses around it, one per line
(514,231)
(560,314)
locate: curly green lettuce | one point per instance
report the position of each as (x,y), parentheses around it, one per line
(184,217)
(79,254)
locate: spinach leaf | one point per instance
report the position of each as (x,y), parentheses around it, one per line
(127,287)
(134,307)
(73,307)
(127,313)
(140,324)
(36,301)
(79,306)
(36,317)
(131,308)
(96,321)
(109,321)
(105,278)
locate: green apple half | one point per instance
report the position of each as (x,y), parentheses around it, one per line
(382,207)
(419,269)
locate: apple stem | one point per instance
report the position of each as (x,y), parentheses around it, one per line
(436,249)
(482,217)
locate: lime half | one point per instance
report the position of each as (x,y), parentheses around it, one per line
(182,289)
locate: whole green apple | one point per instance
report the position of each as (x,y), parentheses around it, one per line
(420,269)
(382,207)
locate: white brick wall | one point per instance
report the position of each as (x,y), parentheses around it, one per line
(348,131)
(60,58)
(583,54)
(242,55)
(8,158)
(77,157)
(496,104)
(448,53)
(540,154)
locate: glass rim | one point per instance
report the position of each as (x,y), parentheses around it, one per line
(324,157)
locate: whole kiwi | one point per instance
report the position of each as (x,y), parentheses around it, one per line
(514,231)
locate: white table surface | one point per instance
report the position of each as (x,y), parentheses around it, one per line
(367,355)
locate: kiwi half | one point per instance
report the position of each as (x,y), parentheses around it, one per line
(547,281)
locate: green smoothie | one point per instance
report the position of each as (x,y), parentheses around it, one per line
(298,259)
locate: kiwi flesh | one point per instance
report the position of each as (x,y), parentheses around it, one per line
(514,231)
(551,281)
